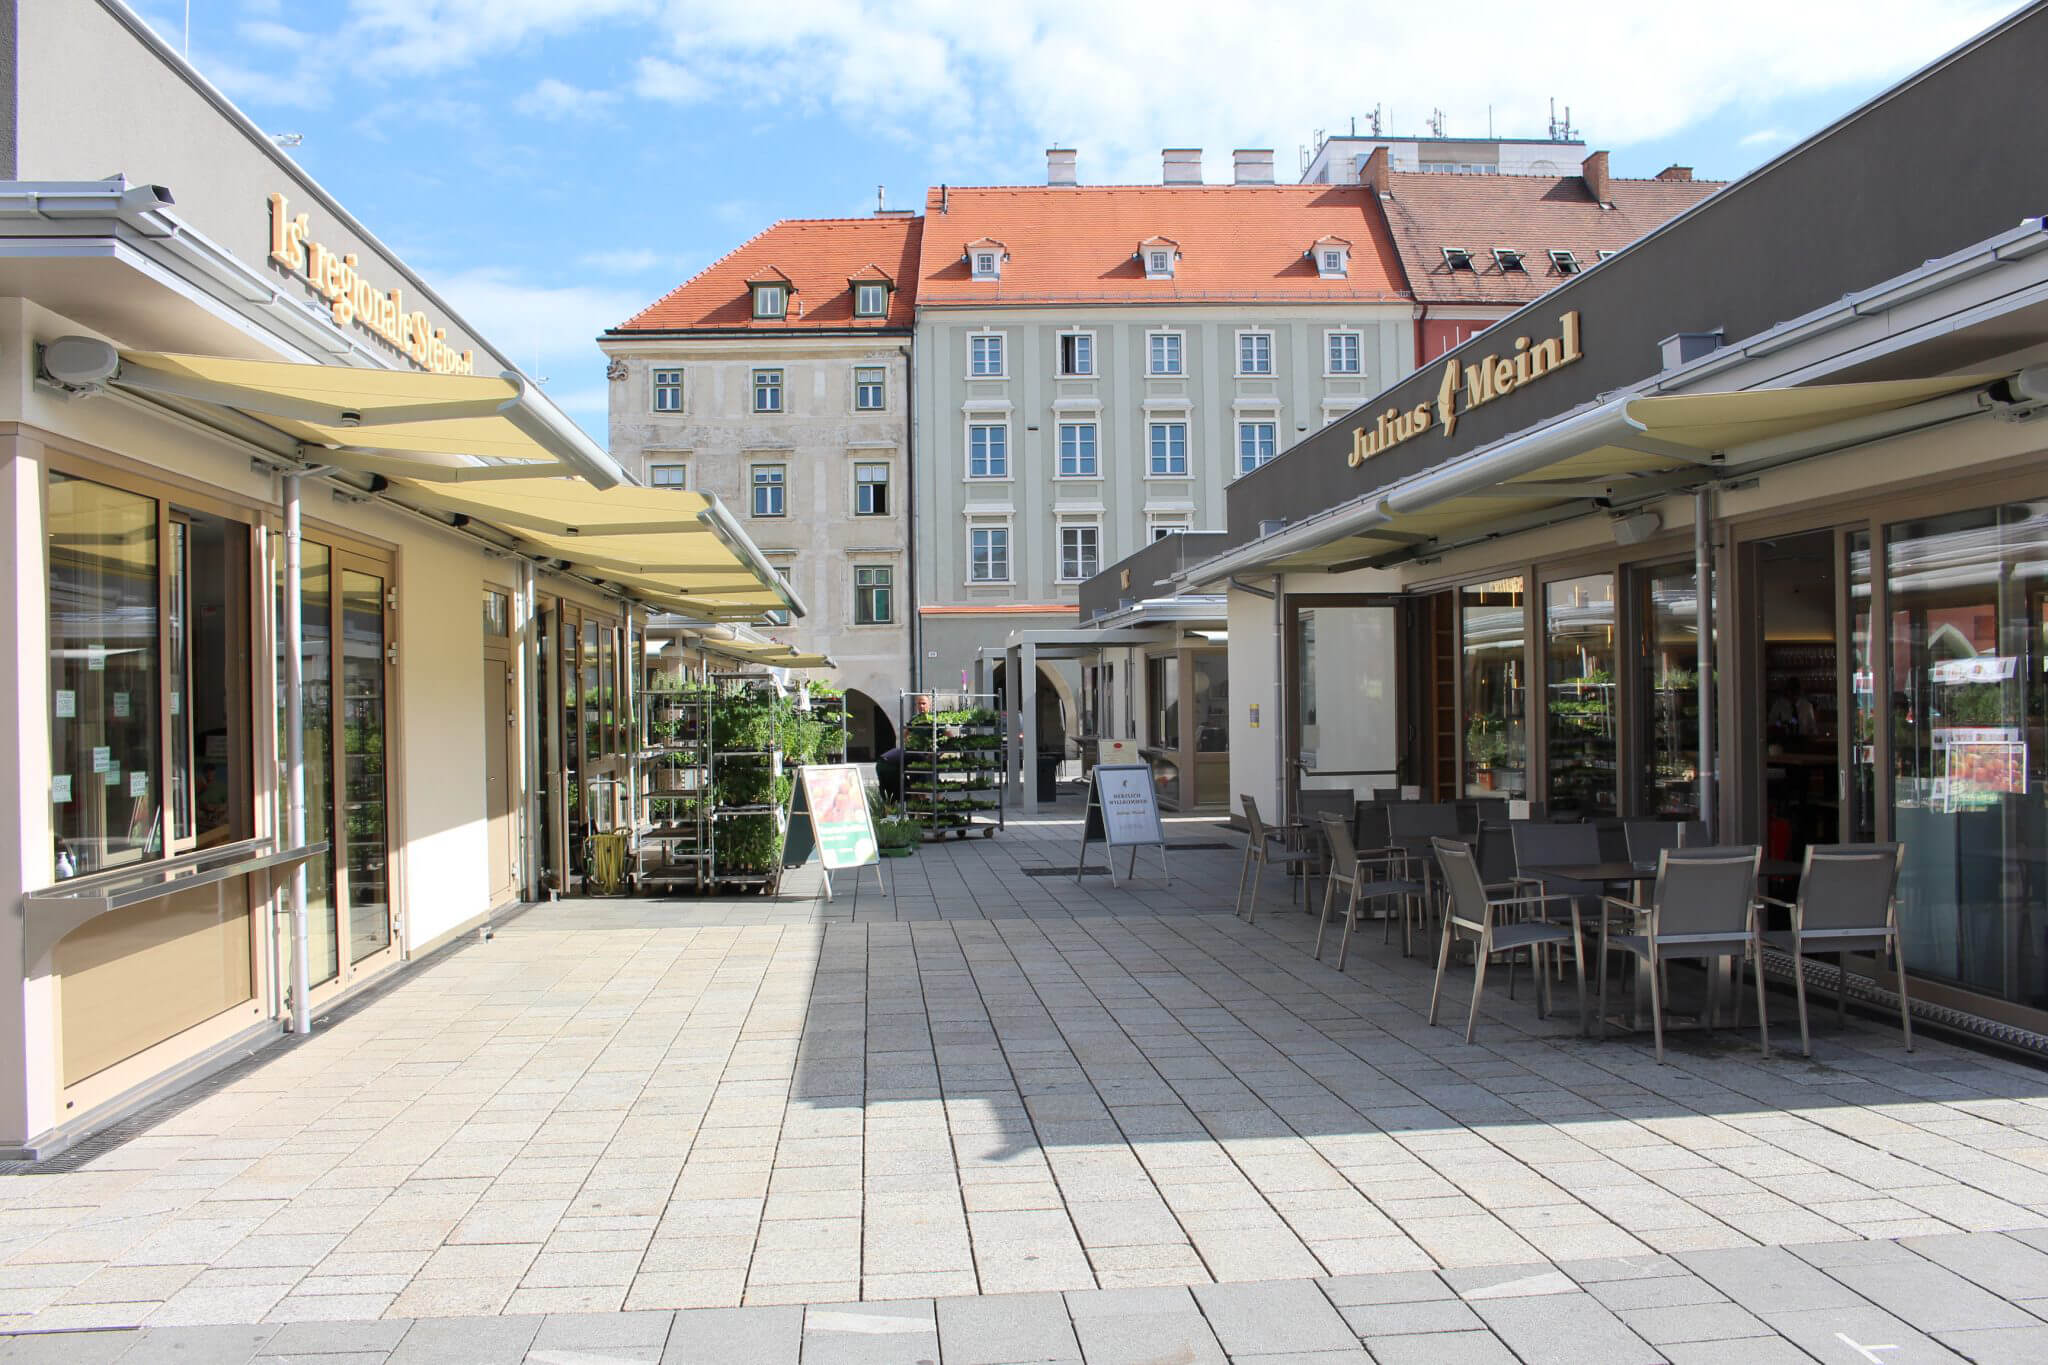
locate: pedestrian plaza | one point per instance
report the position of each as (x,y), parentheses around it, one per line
(999,1113)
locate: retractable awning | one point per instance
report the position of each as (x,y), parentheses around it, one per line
(767,653)
(1624,451)
(452,427)
(680,551)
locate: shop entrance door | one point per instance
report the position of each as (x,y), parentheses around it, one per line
(1792,707)
(1345,696)
(501,729)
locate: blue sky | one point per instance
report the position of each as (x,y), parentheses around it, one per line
(553,165)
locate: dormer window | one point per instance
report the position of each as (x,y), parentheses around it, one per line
(1158,255)
(1457,258)
(985,258)
(870,300)
(771,301)
(1507,258)
(1332,256)
(1564,262)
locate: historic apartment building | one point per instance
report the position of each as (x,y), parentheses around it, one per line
(778,378)
(1096,364)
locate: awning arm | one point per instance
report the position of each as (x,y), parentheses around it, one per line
(727,530)
(536,414)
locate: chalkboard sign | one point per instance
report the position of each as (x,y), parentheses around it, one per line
(828,815)
(1123,811)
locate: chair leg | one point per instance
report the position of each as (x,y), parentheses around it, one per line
(1656,969)
(1323,920)
(1251,907)
(1350,918)
(1532,967)
(1841,990)
(1799,993)
(1579,964)
(1443,958)
(1905,1005)
(1479,956)
(1763,1016)
(1243,869)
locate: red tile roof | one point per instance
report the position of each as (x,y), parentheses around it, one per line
(1532,214)
(818,256)
(1078,243)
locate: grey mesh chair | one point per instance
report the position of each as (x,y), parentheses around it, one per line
(1476,914)
(1648,838)
(1410,826)
(1379,874)
(1704,905)
(1848,903)
(1538,845)
(1265,848)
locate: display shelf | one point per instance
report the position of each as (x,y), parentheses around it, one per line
(955,763)
(745,770)
(672,846)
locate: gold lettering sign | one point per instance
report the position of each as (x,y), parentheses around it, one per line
(1466,385)
(354,299)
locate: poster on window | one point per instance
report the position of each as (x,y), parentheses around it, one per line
(1983,763)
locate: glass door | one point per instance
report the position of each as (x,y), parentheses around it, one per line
(1582,730)
(364,747)
(1344,695)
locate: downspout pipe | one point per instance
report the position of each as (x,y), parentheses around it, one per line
(1703,622)
(295,754)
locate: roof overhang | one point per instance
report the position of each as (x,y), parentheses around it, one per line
(1621,452)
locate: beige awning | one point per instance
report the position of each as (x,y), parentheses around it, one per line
(767,653)
(1624,451)
(392,422)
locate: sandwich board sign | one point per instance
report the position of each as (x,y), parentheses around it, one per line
(828,815)
(1123,811)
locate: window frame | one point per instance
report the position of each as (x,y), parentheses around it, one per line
(1330,340)
(1153,427)
(1094,465)
(1250,425)
(779,616)
(886,483)
(776,386)
(994,269)
(756,486)
(1161,524)
(992,526)
(657,387)
(975,424)
(1245,337)
(1082,339)
(1153,339)
(1159,263)
(1078,525)
(655,471)
(977,341)
(765,292)
(862,598)
(880,386)
(1341,270)
(862,290)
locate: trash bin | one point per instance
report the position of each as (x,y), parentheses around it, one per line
(1048,776)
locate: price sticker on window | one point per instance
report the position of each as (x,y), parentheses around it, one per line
(102,758)
(122,710)
(67,704)
(96,658)
(113,774)
(138,784)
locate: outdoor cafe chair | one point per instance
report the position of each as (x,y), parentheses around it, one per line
(1539,844)
(1475,913)
(1848,903)
(1265,847)
(1648,838)
(1377,874)
(1704,905)
(1411,825)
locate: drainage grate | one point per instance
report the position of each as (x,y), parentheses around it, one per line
(1066,872)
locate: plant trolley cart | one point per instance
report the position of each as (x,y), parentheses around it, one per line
(955,763)
(748,790)
(674,847)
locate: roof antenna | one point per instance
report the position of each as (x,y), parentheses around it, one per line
(1375,120)
(1436,122)
(881,199)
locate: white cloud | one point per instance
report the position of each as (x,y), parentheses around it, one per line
(633,261)
(547,330)
(1765,137)
(553,98)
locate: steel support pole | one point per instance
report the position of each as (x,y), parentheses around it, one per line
(1703,609)
(295,753)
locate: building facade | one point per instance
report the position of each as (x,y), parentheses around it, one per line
(1096,364)
(1735,526)
(779,380)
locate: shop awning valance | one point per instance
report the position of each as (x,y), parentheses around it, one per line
(679,551)
(1624,451)
(452,427)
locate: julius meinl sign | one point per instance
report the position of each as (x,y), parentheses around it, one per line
(1470,384)
(354,299)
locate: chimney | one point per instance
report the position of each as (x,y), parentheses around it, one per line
(1376,172)
(1182,166)
(1252,166)
(1594,170)
(1059,166)
(1675,173)
(1682,348)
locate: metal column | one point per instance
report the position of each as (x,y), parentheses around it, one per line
(1703,615)
(295,754)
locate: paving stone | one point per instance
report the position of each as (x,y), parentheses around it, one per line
(1768,1279)
(1440,1348)
(1399,1287)
(1001,1329)
(740,1336)
(467,1341)
(2003,1265)
(870,1333)
(2000,1345)
(1666,1326)
(1273,1316)
(74,1348)
(1836,1334)
(1930,1297)
(220,1345)
(1564,1329)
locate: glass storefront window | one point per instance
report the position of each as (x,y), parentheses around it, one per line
(363,740)
(1346,703)
(1494,720)
(1668,726)
(1162,681)
(1968,649)
(106,673)
(1579,626)
(316,617)
(1211,686)
(1865,710)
